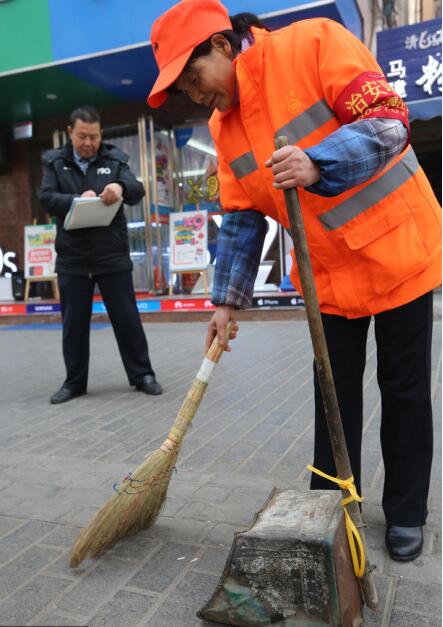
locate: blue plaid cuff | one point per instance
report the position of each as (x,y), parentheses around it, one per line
(354,153)
(239,245)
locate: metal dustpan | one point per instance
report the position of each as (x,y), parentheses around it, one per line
(293,566)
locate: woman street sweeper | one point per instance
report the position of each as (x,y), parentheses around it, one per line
(371,218)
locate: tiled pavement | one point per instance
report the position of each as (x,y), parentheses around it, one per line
(253,431)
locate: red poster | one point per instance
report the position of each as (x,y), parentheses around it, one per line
(187,304)
(12,310)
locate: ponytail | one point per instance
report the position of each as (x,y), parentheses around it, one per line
(242,22)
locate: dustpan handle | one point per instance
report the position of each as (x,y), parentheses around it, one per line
(323,364)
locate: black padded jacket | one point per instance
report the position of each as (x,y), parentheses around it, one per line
(96,250)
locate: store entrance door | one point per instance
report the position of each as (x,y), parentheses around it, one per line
(148,219)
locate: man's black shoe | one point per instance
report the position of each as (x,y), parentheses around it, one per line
(64,394)
(149,385)
(404,543)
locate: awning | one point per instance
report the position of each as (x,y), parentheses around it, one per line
(126,74)
(424,109)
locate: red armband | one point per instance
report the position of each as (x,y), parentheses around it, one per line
(370,96)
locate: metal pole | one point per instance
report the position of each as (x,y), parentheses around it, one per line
(281,252)
(56,139)
(155,198)
(144,168)
(324,370)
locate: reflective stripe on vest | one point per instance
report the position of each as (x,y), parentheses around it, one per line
(244,165)
(307,122)
(295,130)
(372,194)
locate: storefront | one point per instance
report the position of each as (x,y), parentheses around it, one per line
(113,68)
(410,57)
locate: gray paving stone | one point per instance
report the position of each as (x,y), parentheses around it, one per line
(163,567)
(239,452)
(426,569)
(8,524)
(278,443)
(175,529)
(97,585)
(61,536)
(60,567)
(104,435)
(53,619)
(385,587)
(26,565)
(222,534)
(418,597)
(375,542)
(259,464)
(261,433)
(409,619)
(179,610)
(211,493)
(202,458)
(22,606)
(212,561)
(236,513)
(19,539)
(124,609)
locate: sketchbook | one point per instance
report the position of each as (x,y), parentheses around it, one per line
(90,212)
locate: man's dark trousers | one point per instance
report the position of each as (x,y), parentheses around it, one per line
(76,295)
(403,336)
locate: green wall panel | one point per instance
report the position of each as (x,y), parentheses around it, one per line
(23,96)
(25,36)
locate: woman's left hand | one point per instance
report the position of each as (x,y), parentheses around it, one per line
(292,167)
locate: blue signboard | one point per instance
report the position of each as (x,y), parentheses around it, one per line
(410,57)
(142,305)
(46,308)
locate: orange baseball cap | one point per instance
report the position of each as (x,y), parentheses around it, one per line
(176,33)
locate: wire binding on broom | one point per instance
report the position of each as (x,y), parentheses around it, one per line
(138,501)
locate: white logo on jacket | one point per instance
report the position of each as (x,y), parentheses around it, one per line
(103,170)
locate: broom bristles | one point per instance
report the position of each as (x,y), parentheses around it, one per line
(135,506)
(141,496)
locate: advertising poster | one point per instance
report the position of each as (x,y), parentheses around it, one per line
(188,237)
(40,251)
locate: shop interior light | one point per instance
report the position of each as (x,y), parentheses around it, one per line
(209,150)
(139,225)
(187,173)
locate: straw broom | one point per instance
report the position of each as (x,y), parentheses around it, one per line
(139,499)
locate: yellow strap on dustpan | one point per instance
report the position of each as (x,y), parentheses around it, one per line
(358,557)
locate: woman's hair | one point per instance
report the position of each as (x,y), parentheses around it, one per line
(241,24)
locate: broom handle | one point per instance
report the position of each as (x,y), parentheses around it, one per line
(324,371)
(197,390)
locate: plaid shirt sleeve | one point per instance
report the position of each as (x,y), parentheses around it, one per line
(239,245)
(355,152)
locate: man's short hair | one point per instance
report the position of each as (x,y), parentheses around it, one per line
(85,113)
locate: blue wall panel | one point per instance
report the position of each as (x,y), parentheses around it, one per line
(82,27)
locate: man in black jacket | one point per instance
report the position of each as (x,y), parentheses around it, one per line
(87,167)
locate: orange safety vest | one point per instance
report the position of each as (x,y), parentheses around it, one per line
(374,247)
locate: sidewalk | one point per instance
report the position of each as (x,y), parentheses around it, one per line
(254,430)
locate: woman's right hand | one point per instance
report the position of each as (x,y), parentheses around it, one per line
(217,324)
